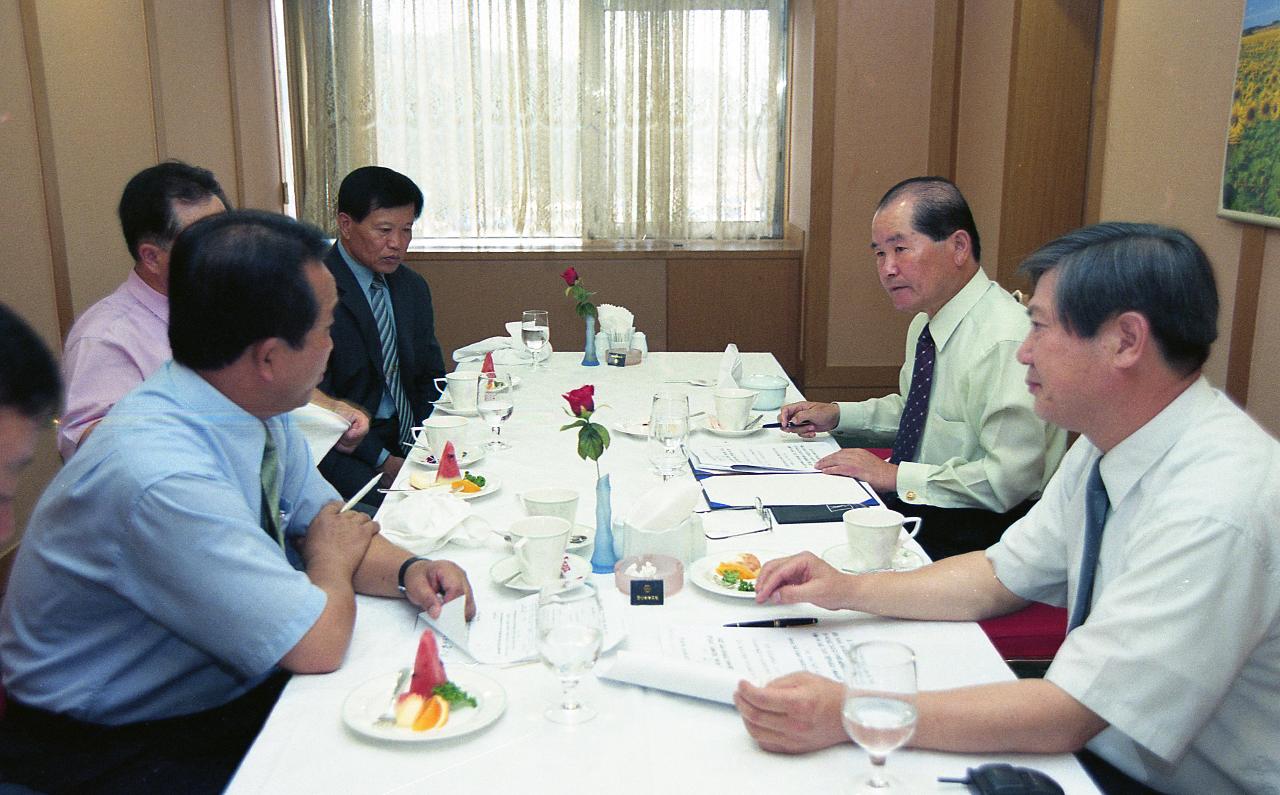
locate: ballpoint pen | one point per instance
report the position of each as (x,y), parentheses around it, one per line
(351,503)
(775,622)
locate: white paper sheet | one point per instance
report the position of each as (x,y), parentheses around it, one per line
(508,633)
(784,489)
(788,457)
(707,662)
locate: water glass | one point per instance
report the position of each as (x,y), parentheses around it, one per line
(880,704)
(570,635)
(535,329)
(668,431)
(495,400)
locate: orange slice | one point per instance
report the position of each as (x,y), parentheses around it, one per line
(434,715)
(744,573)
(465,486)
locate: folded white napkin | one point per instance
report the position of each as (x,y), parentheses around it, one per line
(615,318)
(321,428)
(665,505)
(422,522)
(730,368)
(506,350)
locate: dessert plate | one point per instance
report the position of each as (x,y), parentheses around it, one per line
(491,484)
(466,458)
(703,571)
(365,703)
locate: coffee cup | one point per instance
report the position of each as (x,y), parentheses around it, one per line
(733,407)
(460,386)
(873,536)
(559,502)
(441,429)
(539,543)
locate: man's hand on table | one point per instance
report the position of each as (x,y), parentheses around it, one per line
(863,465)
(807,418)
(390,469)
(431,583)
(337,540)
(793,714)
(803,578)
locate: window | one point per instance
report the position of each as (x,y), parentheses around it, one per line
(597,119)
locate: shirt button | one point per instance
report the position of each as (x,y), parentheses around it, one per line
(910,496)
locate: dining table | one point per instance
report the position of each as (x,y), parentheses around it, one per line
(643,740)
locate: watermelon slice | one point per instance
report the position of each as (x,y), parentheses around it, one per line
(448,471)
(428,671)
(487,367)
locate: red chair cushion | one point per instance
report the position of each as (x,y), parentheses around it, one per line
(1033,633)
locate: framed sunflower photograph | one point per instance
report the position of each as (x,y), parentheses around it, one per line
(1251,171)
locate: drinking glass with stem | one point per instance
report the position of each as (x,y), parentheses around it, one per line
(570,634)
(668,431)
(534,330)
(495,400)
(879,710)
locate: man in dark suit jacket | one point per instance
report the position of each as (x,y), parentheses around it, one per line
(376,211)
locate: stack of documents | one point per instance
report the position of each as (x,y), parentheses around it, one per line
(782,477)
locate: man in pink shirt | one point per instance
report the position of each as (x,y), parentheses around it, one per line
(121,340)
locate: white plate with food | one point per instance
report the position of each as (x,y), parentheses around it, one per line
(728,573)
(468,456)
(425,481)
(507,572)
(367,701)
(711,425)
(903,560)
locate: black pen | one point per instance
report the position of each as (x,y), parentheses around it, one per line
(775,622)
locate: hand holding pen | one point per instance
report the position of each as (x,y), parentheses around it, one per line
(807,418)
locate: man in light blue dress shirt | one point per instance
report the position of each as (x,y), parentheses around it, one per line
(175,568)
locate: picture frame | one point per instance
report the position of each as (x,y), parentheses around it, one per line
(1251,162)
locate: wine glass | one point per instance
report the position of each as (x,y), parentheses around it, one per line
(570,634)
(534,331)
(495,400)
(880,703)
(668,430)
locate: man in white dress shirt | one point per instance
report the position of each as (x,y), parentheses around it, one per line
(1158,532)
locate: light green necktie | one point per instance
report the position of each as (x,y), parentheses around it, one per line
(271,490)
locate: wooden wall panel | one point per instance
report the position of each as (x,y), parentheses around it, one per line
(1046,149)
(753,303)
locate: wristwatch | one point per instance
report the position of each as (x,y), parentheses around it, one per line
(404,568)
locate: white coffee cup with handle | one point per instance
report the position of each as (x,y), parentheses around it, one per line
(873,535)
(553,501)
(460,386)
(733,407)
(539,543)
(441,429)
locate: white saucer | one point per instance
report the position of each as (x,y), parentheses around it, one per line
(903,560)
(702,572)
(631,427)
(491,484)
(579,568)
(467,456)
(365,703)
(446,405)
(710,425)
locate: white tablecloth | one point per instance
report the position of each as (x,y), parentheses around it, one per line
(643,741)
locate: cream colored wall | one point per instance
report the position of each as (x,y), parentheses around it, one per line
(1166,131)
(1264,374)
(881,136)
(800,129)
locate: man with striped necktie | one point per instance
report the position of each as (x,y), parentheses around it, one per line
(385,353)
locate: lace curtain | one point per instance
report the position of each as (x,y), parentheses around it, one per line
(599,119)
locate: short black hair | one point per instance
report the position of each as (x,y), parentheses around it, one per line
(940,209)
(374,188)
(1106,269)
(146,206)
(237,278)
(29,382)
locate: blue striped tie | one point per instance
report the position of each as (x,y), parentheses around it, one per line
(391,358)
(1096,505)
(916,410)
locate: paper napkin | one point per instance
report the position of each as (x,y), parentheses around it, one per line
(730,368)
(423,522)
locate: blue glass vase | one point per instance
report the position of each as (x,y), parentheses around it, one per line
(589,347)
(604,556)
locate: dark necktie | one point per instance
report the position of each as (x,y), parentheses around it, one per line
(1096,505)
(916,410)
(391,358)
(270,475)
